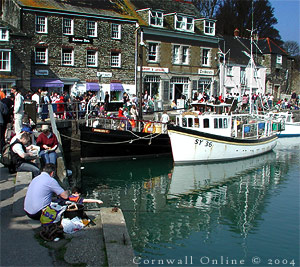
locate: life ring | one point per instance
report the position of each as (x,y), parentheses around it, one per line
(149,128)
(132,122)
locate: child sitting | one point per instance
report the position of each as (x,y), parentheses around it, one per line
(75,197)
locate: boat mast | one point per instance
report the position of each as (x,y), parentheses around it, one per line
(141,50)
(251,62)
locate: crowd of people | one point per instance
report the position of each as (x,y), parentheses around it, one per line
(31,151)
(259,101)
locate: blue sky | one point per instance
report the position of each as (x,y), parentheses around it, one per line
(287,13)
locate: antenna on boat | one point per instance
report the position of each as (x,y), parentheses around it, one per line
(222,70)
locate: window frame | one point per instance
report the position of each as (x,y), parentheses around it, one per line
(4,32)
(279,59)
(63,52)
(152,53)
(38,24)
(45,61)
(116,55)
(95,57)
(209,29)
(205,59)
(118,37)
(243,75)
(178,55)
(229,71)
(3,61)
(156,19)
(88,28)
(69,28)
(184,23)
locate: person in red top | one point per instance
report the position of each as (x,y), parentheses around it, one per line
(60,107)
(48,143)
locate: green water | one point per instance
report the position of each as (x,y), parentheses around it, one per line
(243,213)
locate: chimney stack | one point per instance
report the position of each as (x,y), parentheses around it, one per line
(236,32)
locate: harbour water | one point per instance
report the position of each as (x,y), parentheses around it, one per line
(241,213)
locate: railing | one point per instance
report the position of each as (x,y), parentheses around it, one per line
(123,123)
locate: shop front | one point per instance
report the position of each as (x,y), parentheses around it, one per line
(116,92)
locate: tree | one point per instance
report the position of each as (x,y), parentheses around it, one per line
(292,48)
(234,14)
(207,8)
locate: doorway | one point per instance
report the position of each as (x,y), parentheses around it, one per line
(178,90)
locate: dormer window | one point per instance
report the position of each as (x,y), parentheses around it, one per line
(155,18)
(209,27)
(4,34)
(184,23)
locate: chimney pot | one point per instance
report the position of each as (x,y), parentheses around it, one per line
(236,32)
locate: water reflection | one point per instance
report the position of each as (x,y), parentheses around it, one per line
(181,208)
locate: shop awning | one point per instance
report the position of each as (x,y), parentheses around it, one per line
(92,87)
(116,87)
(46,83)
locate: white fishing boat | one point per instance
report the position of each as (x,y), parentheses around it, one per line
(291,128)
(218,137)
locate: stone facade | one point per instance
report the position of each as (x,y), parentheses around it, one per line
(173,61)
(53,41)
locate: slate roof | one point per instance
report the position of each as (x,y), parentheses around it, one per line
(169,6)
(96,7)
(237,45)
(268,46)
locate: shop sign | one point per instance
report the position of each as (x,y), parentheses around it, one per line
(104,74)
(41,72)
(205,72)
(81,40)
(154,69)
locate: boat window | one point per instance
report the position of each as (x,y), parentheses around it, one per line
(220,123)
(184,122)
(196,122)
(225,123)
(216,123)
(177,121)
(190,122)
(206,123)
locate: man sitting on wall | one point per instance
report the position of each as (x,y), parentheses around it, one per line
(22,156)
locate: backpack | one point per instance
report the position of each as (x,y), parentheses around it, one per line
(6,158)
(4,109)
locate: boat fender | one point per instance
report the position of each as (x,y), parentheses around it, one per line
(149,128)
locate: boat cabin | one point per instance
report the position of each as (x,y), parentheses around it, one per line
(238,125)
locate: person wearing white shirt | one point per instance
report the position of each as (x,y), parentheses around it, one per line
(164,119)
(18,109)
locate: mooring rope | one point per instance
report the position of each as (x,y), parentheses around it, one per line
(148,137)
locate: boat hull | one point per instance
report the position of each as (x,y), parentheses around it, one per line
(291,130)
(193,146)
(101,143)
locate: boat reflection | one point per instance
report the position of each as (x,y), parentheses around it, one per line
(163,203)
(193,178)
